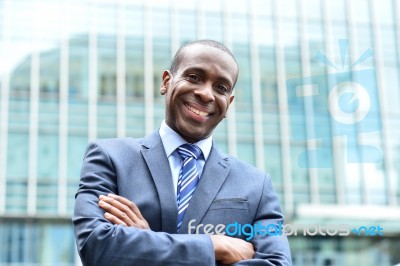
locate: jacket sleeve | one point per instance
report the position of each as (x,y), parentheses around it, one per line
(101,243)
(270,249)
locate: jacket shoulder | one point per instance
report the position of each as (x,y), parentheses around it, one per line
(246,168)
(117,144)
(238,165)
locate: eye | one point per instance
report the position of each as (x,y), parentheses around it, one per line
(193,77)
(223,88)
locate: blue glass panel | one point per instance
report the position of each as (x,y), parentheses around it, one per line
(106,68)
(47,156)
(134,27)
(312,9)
(388,45)
(243,89)
(240,29)
(187,26)
(134,64)
(106,120)
(288,9)
(384,11)
(246,152)
(214,26)
(76,149)
(338,10)
(161,23)
(17,156)
(361,11)
(78,81)
(273,164)
(49,73)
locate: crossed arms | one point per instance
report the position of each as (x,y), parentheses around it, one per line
(120,210)
(111,230)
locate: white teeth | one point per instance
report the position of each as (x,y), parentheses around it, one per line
(198,112)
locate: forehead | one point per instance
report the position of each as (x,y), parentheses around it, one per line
(208,58)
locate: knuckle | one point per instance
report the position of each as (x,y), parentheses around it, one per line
(124,215)
(111,199)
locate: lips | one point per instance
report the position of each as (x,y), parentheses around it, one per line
(196,111)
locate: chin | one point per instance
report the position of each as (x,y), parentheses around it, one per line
(193,136)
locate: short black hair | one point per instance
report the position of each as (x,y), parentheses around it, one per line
(178,56)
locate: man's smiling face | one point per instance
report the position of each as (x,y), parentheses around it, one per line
(199,93)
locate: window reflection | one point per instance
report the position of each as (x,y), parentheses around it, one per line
(134,62)
(240,28)
(312,11)
(301,183)
(268,77)
(243,88)
(20,79)
(78,67)
(392,102)
(214,26)
(384,11)
(49,73)
(107,68)
(361,11)
(337,10)
(19,242)
(288,9)
(388,45)
(187,26)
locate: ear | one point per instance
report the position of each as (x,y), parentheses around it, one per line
(231,98)
(166,78)
(230,101)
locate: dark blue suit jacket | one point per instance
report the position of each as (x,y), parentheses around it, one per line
(229,191)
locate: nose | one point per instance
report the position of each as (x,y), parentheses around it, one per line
(205,93)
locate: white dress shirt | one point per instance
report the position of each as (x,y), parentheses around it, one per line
(171,141)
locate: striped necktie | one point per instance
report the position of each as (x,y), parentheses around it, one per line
(188,178)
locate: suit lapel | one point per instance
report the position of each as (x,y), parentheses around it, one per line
(157,162)
(214,174)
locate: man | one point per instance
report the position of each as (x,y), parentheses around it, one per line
(144,201)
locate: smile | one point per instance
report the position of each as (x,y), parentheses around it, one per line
(197,112)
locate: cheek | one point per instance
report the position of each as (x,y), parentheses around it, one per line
(173,94)
(171,99)
(223,104)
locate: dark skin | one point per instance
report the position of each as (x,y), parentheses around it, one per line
(198,95)
(197,98)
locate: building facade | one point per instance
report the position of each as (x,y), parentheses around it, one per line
(317,105)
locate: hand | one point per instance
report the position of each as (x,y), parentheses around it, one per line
(120,210)
(229,250)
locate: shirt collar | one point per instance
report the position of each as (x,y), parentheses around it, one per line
(172,140)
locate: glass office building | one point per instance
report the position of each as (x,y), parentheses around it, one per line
(317,105)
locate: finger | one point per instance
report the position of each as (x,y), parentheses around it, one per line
(134,213)
(113,219)
(125,210)
(131,209)
(125,213)
(128,203)
(117,212)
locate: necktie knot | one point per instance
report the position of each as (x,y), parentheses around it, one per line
(189,151)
